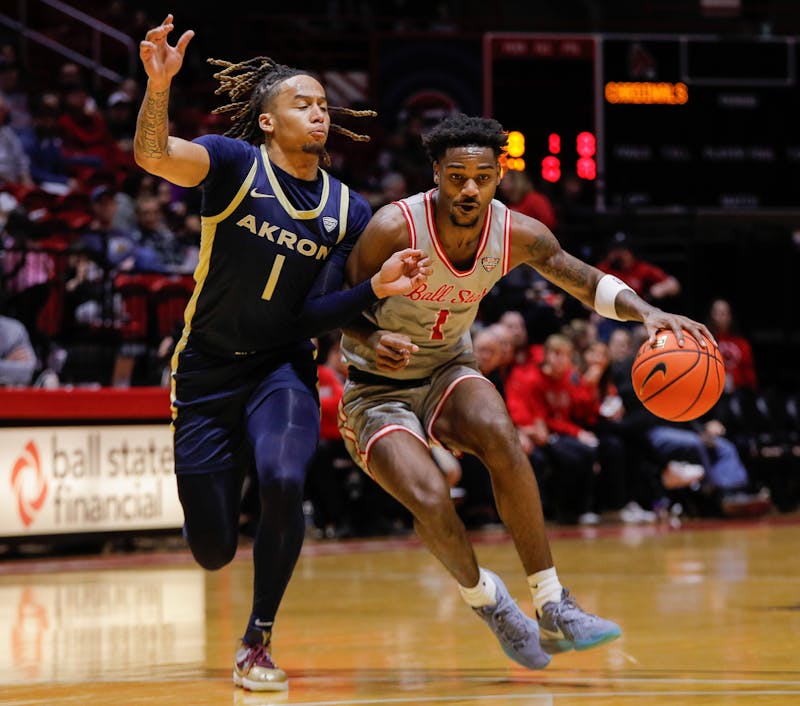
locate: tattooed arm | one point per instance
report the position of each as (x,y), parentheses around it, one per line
(533,244)
(179,161)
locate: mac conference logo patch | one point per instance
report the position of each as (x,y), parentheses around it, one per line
(489,263)
(329,223)
(29,484)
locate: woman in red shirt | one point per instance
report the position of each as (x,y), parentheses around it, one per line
(736,351)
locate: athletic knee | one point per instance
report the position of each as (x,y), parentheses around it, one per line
(494,436)
(210,551)
(429,504)
(284,483)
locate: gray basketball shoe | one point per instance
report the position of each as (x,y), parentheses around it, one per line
(566,626)
(517,634)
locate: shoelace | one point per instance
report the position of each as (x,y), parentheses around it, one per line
(566,604)
(511,629)
(258,655)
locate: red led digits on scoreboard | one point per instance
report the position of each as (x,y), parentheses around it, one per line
(551,165)
(586,147)
(551,168)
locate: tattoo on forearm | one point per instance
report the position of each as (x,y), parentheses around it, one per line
(153,125)
(566,271)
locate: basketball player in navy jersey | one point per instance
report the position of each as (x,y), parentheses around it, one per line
(413,379)
(276,232)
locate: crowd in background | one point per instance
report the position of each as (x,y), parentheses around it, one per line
(92,246)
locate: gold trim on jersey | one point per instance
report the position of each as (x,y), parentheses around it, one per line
(344,207)
(208,229)
(283,199)
(207,232)
(243,189)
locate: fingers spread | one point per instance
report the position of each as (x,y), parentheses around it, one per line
(186,37)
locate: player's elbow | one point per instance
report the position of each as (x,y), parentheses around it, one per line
(146,160)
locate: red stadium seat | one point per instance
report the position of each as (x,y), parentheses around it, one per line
(170,295)
(134,290)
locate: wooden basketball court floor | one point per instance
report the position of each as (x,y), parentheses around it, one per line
(710,615)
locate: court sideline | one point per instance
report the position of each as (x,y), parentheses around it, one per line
(710,614)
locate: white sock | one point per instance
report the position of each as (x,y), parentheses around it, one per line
(481,594)
(545,587)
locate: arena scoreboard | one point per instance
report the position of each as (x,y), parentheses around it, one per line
(653,122)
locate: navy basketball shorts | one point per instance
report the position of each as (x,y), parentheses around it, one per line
(213,396)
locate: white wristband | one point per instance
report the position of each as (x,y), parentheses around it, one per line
(606,294)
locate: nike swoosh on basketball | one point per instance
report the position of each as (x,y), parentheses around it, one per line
(657,368)
(256,195)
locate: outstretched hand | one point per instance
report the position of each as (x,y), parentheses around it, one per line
(401,273)
(162,61)
(657,320)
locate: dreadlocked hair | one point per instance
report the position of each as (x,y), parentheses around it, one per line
(250,83)
(459,130)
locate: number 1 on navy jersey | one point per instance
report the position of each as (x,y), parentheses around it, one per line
(272,280)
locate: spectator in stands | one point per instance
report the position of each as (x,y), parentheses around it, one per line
(488,351)
(616,494)
(514,321)
(84,290)
(548,403)
(520,194)
(583,334)
(17,357)
(85,131)
(15,95)
(735,349)
(120,116)
(505,339)
(649,281)
(26,271)
(50,167)
(133,185)
(157,248)
(15,165)
(114,248)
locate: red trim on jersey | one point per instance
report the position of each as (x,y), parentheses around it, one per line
(507,242)
(378,435)
(412,231)
(445,395)
(431,221)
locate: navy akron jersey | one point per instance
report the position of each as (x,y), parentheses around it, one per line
(265,238)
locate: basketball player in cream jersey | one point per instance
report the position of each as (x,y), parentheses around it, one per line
(413,380)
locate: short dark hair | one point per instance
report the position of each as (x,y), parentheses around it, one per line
(460,130)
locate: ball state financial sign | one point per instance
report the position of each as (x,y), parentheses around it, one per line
(65,480)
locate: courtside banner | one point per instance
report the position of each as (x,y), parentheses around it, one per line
(66,480)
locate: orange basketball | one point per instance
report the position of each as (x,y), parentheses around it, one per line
(678,384)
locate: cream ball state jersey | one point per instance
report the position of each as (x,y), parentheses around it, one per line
(438,314)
